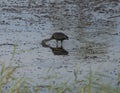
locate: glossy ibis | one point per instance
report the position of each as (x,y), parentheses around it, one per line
(58,36)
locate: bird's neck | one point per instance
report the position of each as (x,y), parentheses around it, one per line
(45,41)
(48,39)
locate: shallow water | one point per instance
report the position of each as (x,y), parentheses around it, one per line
(94,40)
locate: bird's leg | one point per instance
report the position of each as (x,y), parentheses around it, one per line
(57,43)
(61,43)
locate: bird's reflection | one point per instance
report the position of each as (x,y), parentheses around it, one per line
(59,51)
(55,50)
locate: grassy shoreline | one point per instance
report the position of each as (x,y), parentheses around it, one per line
(10,84)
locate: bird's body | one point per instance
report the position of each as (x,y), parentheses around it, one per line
(59,36)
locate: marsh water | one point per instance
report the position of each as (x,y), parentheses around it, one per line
(93,28)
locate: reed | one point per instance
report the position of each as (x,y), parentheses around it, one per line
(10,84)
(92,84)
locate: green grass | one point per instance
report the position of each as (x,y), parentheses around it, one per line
(10,84)
(92,84)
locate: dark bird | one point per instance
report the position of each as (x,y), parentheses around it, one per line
(58,36)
